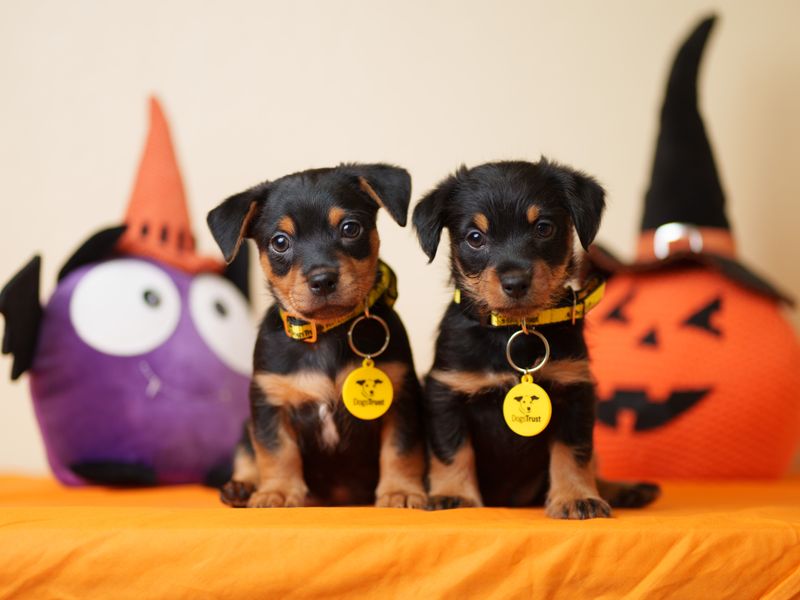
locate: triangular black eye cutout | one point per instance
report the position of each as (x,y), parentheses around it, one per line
(702,318)
(650,339)
(616,313)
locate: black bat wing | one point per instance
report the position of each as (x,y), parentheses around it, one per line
(98,247)
(19,304)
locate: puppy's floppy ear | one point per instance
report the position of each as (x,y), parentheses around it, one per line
(388,186)
(230,221)
(429,214)
(585,200)
(238,272)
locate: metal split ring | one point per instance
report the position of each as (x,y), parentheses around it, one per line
(535,367)
(363,317)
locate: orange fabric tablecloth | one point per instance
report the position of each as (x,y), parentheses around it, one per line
(729,540)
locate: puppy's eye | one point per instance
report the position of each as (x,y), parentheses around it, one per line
(476,239)
(280,243)
(544,229)
(350,229)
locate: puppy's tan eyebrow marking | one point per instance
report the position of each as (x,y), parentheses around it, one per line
(481,222)
(335,216)
(532,213)
(286,224)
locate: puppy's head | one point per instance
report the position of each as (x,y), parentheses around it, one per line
(517,231)
(315,232)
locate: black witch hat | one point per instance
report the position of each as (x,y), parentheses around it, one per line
(684,219)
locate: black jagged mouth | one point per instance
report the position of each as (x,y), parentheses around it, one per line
(649,413)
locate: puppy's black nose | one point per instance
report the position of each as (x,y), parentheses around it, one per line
(323,282)
(515,283)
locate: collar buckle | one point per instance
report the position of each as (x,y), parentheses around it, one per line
(669,233)
(306,332)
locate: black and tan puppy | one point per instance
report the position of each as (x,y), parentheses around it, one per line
(318,248)
(517,234)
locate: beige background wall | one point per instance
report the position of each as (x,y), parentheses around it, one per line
(258,89)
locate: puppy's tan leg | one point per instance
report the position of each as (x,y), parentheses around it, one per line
(452,478)
(402,458)
(238,490)
(573,490)
(454,483)
(280,470)
(244,466)
(401,472)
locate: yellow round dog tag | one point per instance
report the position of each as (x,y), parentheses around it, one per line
(367,392)
(527,408)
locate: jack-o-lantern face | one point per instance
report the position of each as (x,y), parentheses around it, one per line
(697,377)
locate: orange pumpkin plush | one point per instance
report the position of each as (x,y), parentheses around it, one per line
(698,371)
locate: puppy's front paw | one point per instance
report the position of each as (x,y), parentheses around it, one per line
(400,499)
(578,508)
(276,498)
(236,493)
(447,502)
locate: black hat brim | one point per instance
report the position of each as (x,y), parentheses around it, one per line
(605,261)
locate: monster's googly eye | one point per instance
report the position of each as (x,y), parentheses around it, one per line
(125,307)
(222,318)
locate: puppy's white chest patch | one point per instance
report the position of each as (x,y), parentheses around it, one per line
(328,433)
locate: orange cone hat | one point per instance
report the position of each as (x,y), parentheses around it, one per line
(157,220)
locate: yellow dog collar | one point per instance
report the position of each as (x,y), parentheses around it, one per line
(385,287)
(582,302)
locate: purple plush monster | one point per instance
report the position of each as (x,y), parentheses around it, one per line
(140,362)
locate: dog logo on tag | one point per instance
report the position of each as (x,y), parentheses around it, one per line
(367,392)
(527,409)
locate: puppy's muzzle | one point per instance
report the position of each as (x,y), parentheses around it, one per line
(323,282)
(515,283)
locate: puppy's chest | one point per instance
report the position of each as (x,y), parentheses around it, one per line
(479,369)
(510,421)
(310,386)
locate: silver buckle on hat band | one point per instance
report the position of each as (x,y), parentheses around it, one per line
(669,233)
